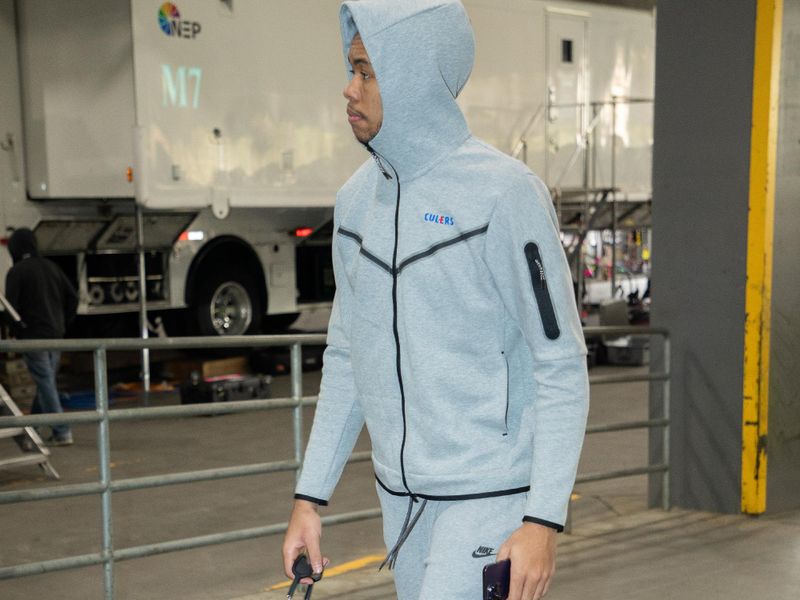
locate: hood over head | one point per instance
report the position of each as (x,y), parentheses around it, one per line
(422,52)
(22,244)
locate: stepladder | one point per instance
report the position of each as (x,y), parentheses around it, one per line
(33,449)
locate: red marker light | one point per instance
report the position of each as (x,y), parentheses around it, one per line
(184,237)
(302,232)
(129,174)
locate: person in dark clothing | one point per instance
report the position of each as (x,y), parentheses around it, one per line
(47,302)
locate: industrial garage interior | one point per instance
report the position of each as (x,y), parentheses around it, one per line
(178,165)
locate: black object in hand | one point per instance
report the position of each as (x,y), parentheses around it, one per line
(301,569)
(496,580)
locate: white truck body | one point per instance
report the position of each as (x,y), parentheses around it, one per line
(229,115)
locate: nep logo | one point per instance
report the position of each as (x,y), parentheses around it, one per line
(440,219)
(169,20)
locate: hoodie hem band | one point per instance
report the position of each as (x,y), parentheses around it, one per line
(454,497)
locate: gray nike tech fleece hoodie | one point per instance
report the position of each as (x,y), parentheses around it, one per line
(454,333)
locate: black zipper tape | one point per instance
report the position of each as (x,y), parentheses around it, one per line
(539,283)
(395,328)
(397,334)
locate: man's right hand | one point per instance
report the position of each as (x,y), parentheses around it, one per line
(304,533)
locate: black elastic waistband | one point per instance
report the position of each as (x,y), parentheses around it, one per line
(494,494)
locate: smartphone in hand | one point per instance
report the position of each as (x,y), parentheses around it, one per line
(496,580)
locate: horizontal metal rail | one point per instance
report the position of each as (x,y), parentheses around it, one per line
(240,341)
(87,560)
(102,417)
(616,100)
(627,425)
(619,473)
(53,492)
(603,379)
(140,483)
(617,330)
(159,412)
(175,343)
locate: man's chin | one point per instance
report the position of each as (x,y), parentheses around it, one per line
(364,136)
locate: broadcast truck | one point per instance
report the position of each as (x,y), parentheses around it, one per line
(205,139)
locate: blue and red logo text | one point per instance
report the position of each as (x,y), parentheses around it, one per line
(440,219)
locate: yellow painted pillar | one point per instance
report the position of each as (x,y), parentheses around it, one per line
(760,230)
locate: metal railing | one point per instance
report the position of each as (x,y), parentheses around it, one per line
(662,422)
(105,487)
(587,124)
(520,149)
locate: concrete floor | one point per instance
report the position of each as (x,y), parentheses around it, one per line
(618,548)
(647,555)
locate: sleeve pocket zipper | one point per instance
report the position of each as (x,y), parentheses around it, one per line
(539,283)
(505,419)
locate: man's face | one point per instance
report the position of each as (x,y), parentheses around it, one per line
(364,107)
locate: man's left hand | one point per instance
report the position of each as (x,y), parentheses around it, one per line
(532,550)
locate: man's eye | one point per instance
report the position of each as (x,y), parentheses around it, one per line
(365,75)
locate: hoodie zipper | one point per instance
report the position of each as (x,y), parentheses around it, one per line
(379,161)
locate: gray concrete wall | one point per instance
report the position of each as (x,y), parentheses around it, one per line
(704,70)
(783,445)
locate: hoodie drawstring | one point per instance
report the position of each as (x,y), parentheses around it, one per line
(405,531)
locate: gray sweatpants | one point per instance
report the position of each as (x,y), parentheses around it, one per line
(444,556)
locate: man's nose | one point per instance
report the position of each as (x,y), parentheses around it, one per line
(351,91)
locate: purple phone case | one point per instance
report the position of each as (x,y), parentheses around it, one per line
(496,579)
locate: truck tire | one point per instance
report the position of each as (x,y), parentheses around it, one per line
(227,302)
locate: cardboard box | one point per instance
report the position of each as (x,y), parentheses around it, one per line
(182,370)
(630,350)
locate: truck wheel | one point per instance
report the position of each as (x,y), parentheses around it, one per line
(228,303)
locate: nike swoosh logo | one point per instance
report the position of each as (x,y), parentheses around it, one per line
(481,553)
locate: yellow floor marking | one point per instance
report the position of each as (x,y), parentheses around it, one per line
(348,567)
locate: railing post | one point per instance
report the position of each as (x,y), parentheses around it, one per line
(594,146)
(143,302)
(104,451)
(296,363)
(614,197)
(586,148)
(665,432)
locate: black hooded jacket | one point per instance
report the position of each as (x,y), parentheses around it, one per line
(39,290)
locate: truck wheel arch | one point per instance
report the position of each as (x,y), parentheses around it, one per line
(225,249)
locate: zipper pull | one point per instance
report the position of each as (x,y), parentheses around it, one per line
(542,278)
(378,161)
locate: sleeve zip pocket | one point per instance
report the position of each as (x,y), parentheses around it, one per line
(539,283)
(505,420)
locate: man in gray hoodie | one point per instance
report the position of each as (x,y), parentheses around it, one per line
(454,333)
